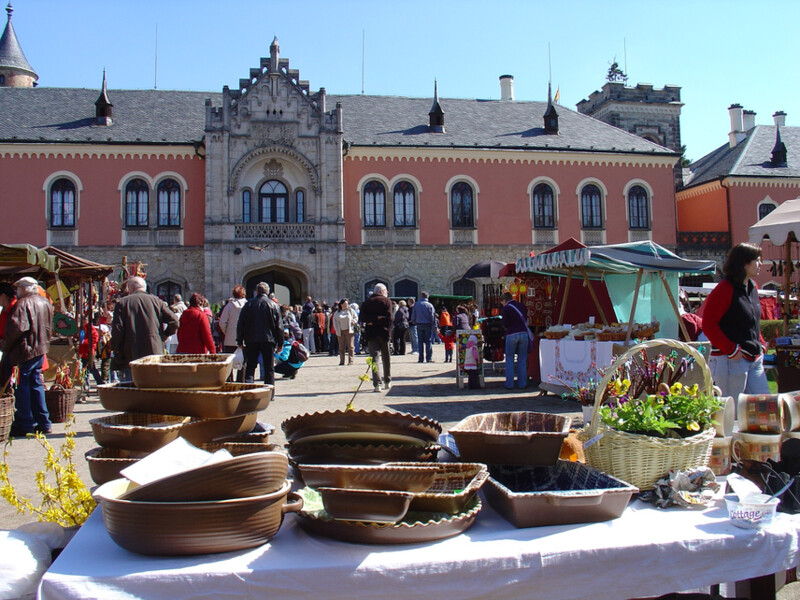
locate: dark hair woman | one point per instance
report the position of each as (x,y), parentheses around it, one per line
(731,321)
(194,333)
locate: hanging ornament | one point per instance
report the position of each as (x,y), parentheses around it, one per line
(523,288)
(513,288)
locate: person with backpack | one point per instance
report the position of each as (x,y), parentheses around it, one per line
(290,358)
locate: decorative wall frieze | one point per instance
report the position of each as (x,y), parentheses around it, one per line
(96,151)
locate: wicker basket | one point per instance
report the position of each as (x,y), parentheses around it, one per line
(60,402)
(6,415)
(638,459)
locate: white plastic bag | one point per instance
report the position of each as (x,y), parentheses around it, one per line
(238,359)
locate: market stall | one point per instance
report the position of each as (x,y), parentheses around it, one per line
(642,283)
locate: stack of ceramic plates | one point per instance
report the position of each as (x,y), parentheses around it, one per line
(230,505)
(181,395)
(361,437)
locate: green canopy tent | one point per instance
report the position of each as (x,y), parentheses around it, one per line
(641,277)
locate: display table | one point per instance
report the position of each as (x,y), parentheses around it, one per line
(646,552)
(571,361)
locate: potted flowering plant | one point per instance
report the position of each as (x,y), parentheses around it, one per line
(675,411)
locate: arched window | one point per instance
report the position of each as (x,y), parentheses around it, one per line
(461,206)
(137,200)
(62,203)
(300,205)
(169,203)
(543,207)
(374,204)
(406,288)
(404,205)
(765,208)
(369,287)
(464,287)
(272,200)
(246,206)
(591,207)
(638,208)
(167,289)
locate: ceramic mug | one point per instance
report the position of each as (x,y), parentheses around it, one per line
(725,417)
(757,446)
(791,411)
(720,461)
(760,413)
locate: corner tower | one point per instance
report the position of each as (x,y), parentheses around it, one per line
(649,113)
(15,71)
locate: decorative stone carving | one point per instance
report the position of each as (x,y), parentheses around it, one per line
(273,169)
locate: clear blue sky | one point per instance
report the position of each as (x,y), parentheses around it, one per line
(718,52)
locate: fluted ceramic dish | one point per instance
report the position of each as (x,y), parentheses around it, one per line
(415,527)
(415,477)
(251,474)
(361,427)
(182,371)
(106,463)
(229,400)
(188,528)
(360,454)
(453,488)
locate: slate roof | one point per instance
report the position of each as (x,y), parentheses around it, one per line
(749,158)
(68,115)
(395,120)
(11,55)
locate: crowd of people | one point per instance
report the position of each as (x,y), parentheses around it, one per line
(262,333)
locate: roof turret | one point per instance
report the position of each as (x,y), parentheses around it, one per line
(11,56)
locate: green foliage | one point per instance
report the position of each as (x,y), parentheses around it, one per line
(679,412)
(372,367)
(772,329)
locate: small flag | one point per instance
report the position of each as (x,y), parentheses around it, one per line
(558,94)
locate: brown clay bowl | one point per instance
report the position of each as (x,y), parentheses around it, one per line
(106,463)
(229,400)
(251,474)
(187,528)
(360,454)
(379,506)
(182,371)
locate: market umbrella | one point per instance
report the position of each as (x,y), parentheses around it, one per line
(487,269)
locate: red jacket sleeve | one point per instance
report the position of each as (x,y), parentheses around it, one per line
(205,334)
(714,308)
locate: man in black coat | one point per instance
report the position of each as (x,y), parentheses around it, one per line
(376,315)
(258,331)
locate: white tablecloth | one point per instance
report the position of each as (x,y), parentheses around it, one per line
(572,362)
(645,552)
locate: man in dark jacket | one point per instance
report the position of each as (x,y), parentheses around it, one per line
(376,315)
(27,340)
(258,331)
(140,325)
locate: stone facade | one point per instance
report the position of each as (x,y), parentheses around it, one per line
(649,113)
(274,142)
(433,268)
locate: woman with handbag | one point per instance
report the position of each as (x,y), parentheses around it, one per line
(518,336)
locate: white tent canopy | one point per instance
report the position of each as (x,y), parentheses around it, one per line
(778,224)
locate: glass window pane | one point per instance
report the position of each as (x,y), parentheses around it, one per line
(300,208)
(461,205)
(543,208)
(591,213)
(374,205)
(246,206)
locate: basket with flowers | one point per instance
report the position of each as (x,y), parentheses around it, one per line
(62,395)
(646,422)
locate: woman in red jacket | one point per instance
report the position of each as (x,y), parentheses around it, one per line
(194,333)
(731,321)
